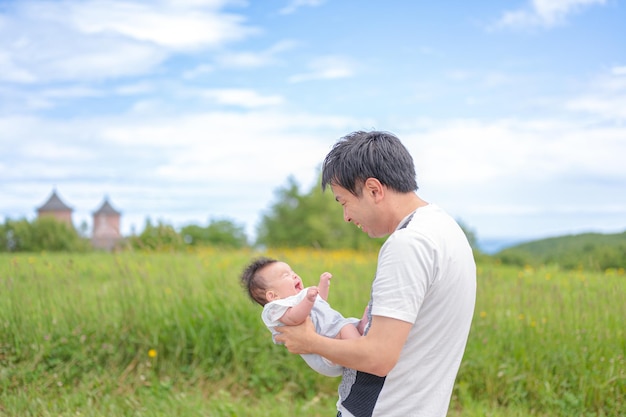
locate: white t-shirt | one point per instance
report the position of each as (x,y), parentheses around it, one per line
(327,322)
(426,276)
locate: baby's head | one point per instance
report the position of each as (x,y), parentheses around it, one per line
(268,280)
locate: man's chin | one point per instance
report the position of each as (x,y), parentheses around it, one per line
(375,235)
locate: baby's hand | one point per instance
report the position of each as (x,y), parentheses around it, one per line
(325,278)
(363,322)
(324,285)
(311,293)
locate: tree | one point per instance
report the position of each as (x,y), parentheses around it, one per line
(160,237)
(45,233)
(219,232)
(17,236)
(472,238)
(309,220)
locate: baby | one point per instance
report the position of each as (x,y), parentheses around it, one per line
(286,302)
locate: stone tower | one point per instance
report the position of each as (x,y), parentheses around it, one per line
(106,227)
(55,207)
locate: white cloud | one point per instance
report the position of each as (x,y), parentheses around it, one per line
(179,168)
(171,25)
(100,39)
(242,60)
(326,68)
(489,79)
(254,59)
(613,108)
(294,5)
(185,131)
(198,71)
(467,153)
(524,178)
(140,87)
(71,92)
(546,13)
(459,75)
(605,98)
(619,70)
(241,97)
(12,71)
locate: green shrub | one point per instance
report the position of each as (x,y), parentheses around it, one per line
(159,237)
(43,234)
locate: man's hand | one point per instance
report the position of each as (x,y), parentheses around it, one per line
(363,353)
(297,339)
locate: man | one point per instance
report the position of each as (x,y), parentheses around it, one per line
(422,297)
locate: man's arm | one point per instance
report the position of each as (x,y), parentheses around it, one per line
(376,353)
(298,313)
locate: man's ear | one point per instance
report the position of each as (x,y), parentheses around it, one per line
(374,188)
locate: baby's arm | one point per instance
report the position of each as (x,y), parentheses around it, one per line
(349,331)
(298,313)
(353,331)
(324,285)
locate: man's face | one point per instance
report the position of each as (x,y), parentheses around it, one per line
(359,211)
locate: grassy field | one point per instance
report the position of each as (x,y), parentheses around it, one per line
(174,335)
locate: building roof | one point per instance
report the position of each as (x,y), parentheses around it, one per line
(106,208)
(54,203)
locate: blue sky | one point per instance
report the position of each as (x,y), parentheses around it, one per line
(189,110)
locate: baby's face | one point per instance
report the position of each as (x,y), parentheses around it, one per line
(281,281)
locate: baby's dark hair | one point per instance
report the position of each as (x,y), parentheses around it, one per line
(253,282)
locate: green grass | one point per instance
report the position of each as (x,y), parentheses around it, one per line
(174,335)
(549,341)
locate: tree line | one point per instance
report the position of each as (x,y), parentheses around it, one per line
(52,235)
(296,219)
(304,218)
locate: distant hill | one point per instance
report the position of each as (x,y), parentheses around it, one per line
(595,251)
(492,246)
